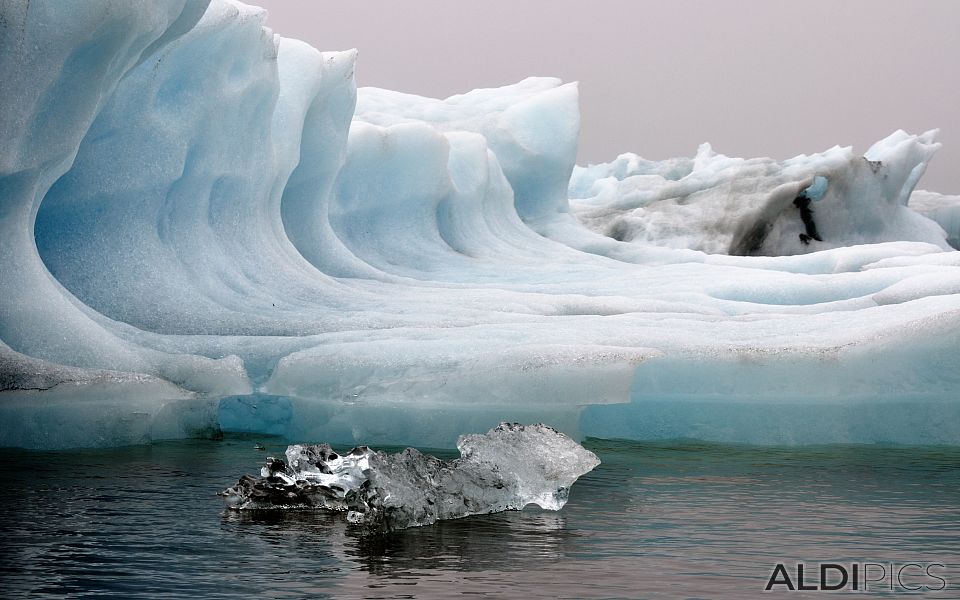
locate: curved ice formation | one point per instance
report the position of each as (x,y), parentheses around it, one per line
(204,225)
(507,468)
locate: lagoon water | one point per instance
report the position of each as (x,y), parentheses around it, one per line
(664,519)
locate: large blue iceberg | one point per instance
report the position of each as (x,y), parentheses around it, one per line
(205,226)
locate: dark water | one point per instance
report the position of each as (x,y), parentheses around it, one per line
(654,520)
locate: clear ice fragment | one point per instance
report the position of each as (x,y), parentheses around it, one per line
(506,468)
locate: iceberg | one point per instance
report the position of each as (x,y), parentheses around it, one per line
(723,205)
(205,227)
(507,468)
(943,209)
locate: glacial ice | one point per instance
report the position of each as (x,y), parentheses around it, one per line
(507,468)
(205,225)
(943,209)
(723,205)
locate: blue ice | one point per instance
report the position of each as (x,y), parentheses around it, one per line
(204,225)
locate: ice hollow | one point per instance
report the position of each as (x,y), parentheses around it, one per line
(507,468)
(204,225)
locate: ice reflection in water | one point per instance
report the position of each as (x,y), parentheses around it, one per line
(654,520)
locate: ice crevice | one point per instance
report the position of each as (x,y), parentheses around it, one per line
(206,225)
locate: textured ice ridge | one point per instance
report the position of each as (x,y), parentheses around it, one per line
(506,468)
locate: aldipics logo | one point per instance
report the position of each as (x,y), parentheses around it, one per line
(862,577)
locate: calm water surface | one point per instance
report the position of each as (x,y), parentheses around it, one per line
(678,519)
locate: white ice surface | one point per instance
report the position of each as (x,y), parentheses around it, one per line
(212,214)
(943,209)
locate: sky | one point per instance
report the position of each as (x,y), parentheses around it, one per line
(753,78)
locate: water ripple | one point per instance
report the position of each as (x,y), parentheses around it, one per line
(654,520)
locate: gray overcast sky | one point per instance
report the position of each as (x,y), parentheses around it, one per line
(754,78)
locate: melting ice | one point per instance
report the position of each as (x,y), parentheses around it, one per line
(506,468)
(204,226)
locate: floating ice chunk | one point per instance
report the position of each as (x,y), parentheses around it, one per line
(506,468)
(322,464)
(544,462)
(313,476)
